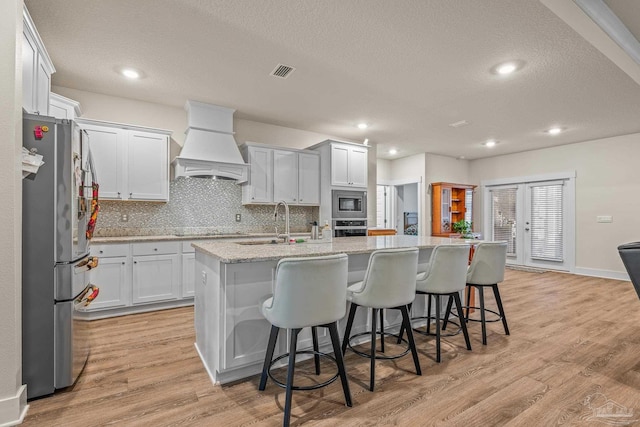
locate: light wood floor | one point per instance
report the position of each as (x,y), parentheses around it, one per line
(574,344)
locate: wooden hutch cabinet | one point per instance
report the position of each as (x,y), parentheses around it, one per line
(450,203)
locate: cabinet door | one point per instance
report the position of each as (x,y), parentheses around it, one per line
(29,63)
(357,166)
(261,175)
(155,278)
(42,87)
(188,275)
(112,279)
(285,176)
(340,165)
(308,179)
(108,151)
(148,170)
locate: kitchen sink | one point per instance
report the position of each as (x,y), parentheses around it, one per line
(260,242)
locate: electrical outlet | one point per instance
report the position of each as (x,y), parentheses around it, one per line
(238,217)
(124,217)
(604,218)
(204,277)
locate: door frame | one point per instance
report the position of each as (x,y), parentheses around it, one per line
(569,213)
(397,182)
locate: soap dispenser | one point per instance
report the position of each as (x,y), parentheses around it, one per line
(327,233)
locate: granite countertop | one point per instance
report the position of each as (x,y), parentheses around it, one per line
(181,237)
(235,252)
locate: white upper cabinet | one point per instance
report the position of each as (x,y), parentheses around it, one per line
(309,178)
(132,163)
(285,176)
(277,174)
(63,108)
(348,165)
(36,69)
(259,188)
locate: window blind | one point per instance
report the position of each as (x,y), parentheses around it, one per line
(504,217)
(547,222)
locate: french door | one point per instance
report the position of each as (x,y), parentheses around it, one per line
(536,220)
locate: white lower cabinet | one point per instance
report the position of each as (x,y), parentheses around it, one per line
(155,278)
(112,276)
(188,267)
(140,276)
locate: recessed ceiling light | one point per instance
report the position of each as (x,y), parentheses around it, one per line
(393,151)
(490,143)
(130,73)
(507,68)
(554,131)
(362,125)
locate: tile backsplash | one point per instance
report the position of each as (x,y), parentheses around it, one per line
(197,206)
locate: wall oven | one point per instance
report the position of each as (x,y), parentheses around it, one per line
(349,204)
(349,228)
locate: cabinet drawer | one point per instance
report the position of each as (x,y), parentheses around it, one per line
(187,248)
(110,250)
(155,248)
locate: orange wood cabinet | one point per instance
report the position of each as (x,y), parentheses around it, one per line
(450,203)
(381,232)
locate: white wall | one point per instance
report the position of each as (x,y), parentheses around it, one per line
(12,393)
(607,183)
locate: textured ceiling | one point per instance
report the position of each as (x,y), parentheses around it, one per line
(409,68)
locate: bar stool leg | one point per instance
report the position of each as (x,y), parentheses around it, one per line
(496,292)
(447,313)
(428,314)
(412,344)
(437,297)
(292,363)
(316,356)
(347,331)
(382,330)
(483,316)
(273,336)
(335,341)
(468,301)
(374,315)
(463,324)
(402,325)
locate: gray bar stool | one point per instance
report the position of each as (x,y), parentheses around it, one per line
(389,282)
(486,270)
(445,275)
(309,292)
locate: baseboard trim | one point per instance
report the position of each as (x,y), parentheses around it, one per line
(605,274)
(14,409)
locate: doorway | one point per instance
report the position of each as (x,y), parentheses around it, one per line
(535,216)
(398,207)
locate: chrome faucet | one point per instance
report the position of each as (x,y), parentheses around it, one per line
(287,232)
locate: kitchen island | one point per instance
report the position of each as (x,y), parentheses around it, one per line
(234,278)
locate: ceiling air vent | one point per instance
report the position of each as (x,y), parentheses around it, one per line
(282,71)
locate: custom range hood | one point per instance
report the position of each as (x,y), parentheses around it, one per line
(209,148)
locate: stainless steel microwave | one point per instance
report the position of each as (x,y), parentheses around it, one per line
(349,204)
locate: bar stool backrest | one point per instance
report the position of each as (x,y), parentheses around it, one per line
(309,291)
(487,264)
(447,270)
(390,279)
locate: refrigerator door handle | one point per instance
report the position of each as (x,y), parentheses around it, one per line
(87,264)
(86,297)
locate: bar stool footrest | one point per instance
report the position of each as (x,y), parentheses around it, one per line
(429,334)
(498,319)
(309,387)
(378,355)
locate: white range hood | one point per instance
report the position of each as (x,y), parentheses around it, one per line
(209,148)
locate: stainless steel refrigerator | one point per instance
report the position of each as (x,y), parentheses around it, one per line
(55,255)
